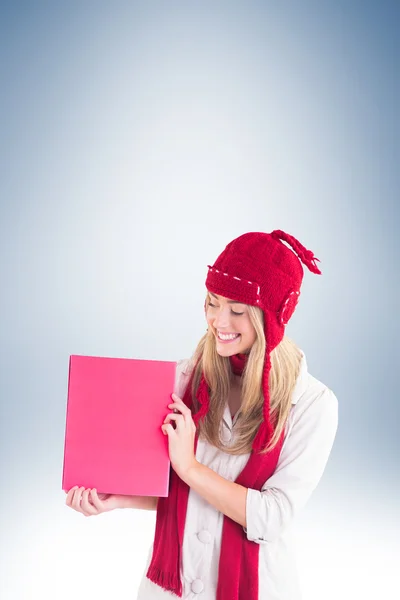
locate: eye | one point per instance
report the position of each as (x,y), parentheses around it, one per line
(237,313)
(211,305)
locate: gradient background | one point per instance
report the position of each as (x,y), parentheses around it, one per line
(137,140)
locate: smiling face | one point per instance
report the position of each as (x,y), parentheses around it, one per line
(230,323)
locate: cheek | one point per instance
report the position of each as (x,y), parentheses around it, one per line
(249,331)
(209,317)
(253,336)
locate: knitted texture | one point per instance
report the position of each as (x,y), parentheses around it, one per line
(238,363)
(260,270)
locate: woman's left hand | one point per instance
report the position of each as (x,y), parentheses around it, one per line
(181,439)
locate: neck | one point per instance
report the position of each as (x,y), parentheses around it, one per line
(238,363)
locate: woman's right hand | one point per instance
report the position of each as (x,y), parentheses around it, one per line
(89,502)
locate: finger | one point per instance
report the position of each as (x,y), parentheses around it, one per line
(76,500)
(179,419)
(168,429)
(86,507)
(97,503)
(181,407)
(184,410)
(70,495)
(179,400)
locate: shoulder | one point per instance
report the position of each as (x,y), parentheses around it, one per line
(182,375)
(317,402)
(312,424)
(184,367)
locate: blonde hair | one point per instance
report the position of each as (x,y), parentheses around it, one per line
(285,366)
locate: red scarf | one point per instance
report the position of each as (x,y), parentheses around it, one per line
(238,363)
(238,563)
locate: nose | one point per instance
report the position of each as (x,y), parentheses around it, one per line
(221,320)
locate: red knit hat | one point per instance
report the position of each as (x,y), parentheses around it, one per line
(260,270)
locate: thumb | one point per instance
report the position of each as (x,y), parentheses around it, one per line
(104,497)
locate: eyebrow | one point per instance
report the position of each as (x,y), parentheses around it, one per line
(229,301)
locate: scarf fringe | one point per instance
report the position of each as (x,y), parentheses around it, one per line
(169,581)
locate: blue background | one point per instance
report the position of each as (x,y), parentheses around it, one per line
(138,139)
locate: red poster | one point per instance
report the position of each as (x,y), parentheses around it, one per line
(113,437)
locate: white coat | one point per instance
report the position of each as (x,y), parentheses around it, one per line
(309,436)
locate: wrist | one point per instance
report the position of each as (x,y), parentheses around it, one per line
(187,475)
(126,501)
(139,502)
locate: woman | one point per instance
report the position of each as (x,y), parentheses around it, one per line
(249,435)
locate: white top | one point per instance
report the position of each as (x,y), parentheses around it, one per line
(309,436)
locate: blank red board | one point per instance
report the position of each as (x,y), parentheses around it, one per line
(113,437)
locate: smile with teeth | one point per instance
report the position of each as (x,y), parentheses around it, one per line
(227,337)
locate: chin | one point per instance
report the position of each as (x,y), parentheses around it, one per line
(230,350)
(227,351)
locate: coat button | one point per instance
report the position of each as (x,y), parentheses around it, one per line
(197,586)
(204,536)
